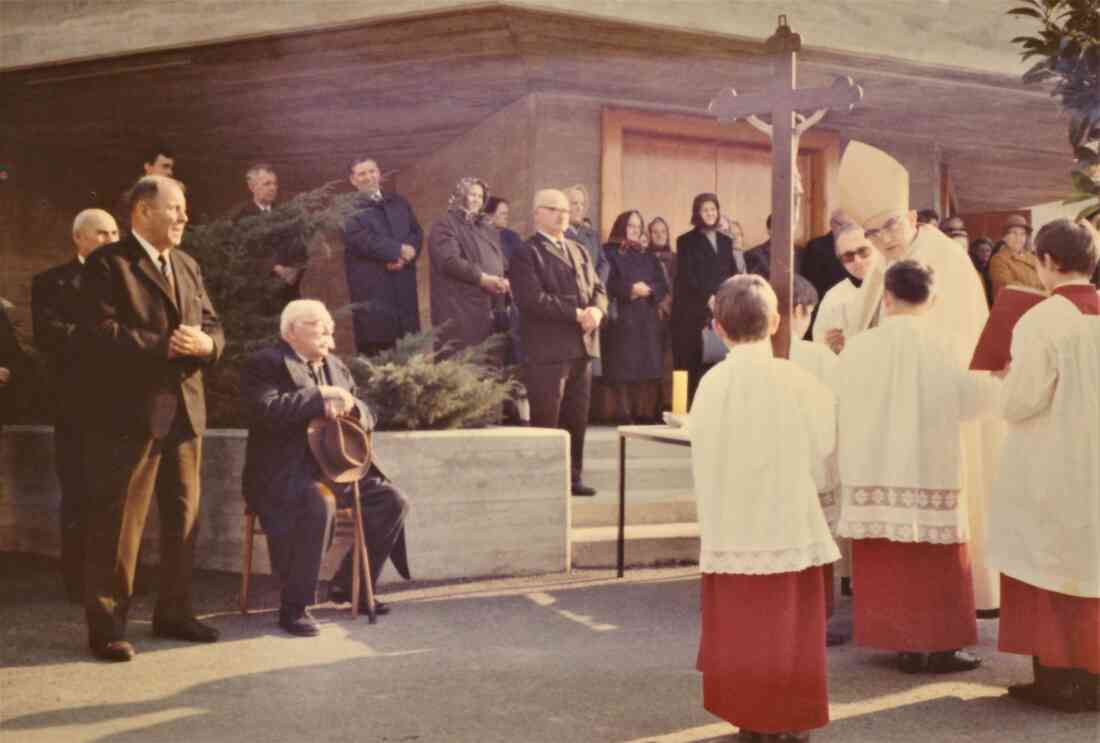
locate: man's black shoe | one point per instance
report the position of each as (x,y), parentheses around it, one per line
(341,595)
(845,586)
(911,662)
(297,621)
(988,613)
(116,651)
(952,661)
(188,628)
(579,488)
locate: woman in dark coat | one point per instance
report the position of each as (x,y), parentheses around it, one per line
(704,259)
(633,357)
(467,269)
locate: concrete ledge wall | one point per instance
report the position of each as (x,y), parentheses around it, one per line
(485,502)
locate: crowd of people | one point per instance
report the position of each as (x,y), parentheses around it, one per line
(871,442)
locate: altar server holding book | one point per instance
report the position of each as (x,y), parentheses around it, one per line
(1045,535)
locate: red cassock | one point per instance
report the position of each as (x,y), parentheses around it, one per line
(912,597)
(1061,631)
(762,650)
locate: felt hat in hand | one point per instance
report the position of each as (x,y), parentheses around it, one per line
(341,446)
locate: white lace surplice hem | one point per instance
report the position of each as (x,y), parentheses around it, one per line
(768,562)
(903,514)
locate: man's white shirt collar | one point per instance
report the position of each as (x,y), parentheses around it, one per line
(558,241)
(154,254)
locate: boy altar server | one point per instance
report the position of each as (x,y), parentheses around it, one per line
(759,427)
(902,398)
(820,361)
(1045,525)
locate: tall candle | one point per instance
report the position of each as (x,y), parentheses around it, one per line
(679,392)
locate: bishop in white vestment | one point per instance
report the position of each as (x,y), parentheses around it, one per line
(874,191)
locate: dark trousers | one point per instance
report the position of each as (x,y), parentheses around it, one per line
(384,511)
(559,393)
(68,448)
(296,555)
(124,471)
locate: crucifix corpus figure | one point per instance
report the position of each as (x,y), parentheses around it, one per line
(782,101)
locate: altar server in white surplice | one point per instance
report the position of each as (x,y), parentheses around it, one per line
(902,399)
(874,191)
(759,427)
(1045,514)
(820,361)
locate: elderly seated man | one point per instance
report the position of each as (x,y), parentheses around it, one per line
(284,387)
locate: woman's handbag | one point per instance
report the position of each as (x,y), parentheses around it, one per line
(714,350)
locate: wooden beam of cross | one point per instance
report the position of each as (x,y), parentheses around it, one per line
(783,100)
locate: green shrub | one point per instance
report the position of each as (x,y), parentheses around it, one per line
(416,386)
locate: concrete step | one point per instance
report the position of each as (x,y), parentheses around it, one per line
(642,473)
(678,508)
(646,544)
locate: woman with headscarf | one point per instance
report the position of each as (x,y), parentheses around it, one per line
(660,244)
(633,358)
(467,269)
(704,259)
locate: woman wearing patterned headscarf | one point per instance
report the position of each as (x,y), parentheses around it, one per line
(467,268)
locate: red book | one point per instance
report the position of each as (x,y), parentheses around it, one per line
(995,343)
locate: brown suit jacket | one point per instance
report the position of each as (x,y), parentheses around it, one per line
(549,286)
(130,313)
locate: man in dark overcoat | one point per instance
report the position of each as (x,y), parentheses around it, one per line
(284,387)
(383,241)
(55,316)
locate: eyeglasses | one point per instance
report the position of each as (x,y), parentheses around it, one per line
(557,209)
(892,227)
(849,256)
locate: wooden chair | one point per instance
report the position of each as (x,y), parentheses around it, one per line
(345,519)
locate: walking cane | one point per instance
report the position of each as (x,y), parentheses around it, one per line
(361,563)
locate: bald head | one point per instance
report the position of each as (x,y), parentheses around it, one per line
(551,212)
(92,228)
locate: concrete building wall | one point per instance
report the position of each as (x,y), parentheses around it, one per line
(567,146)
(952,33)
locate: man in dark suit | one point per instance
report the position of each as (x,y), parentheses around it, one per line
(55,314)
(383,241)
(561,305)
(285,257)
(150,330)
(285,387)
(819,262)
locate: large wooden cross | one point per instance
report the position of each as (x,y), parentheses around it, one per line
(783,101)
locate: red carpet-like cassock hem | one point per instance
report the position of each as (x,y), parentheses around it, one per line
(762,650)
(913,597)
(1061,631)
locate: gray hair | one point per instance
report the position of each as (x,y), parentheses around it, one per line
(298,310)
(86,216)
